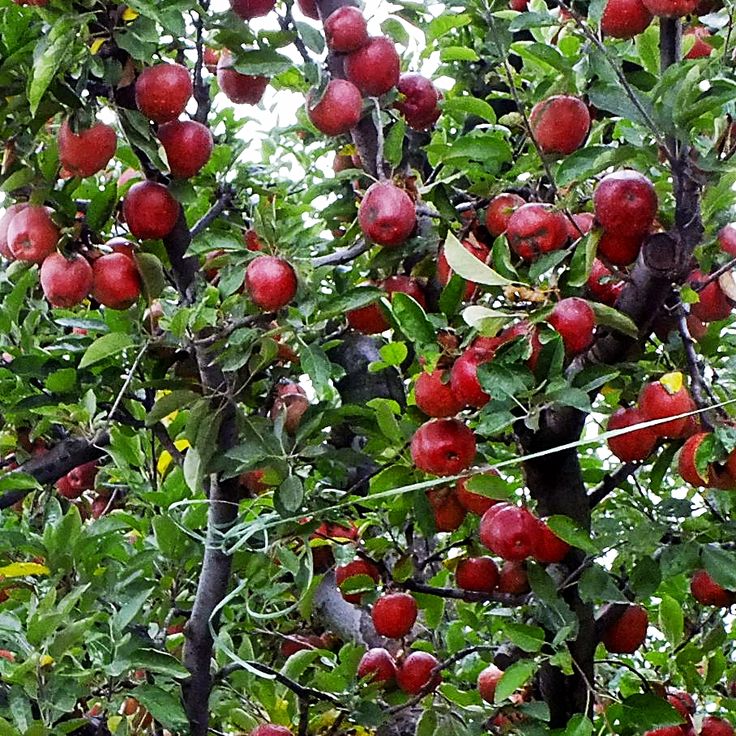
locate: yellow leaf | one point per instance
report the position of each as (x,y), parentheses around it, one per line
(165,458)
(130,14)
(672,382)
(21,569)
(45,660)
(96,46)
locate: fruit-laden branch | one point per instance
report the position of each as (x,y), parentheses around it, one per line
(343,256)
(56,463)
(469,596)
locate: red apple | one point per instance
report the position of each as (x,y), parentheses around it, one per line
(308,8)
(370,319)
(580,224)
(210,57)
(291,401)
(671,8)
(394,615)
(188,145)
(682,702)
(508,531)
(150,210)
(270,729)
(478,574)
(560,124)
(627,633)
(32,234)
(8,215)
(701,48)
(512,579)
(65,281)
(242,89)
(443,447)
(88,151)
(714,726)
(633,446)
(435,397)
(535,229)
(547,547)
(625,18)
(603,285)
(625,202)
(416,673)
(374,67)
(387,214)
(338,110)
(574,319)
(448,513)
(530,333)
(352,569)
(464,373)
(475,503)
(714,305)
(116,282)
(419,101)
(659,400)
(346,30)
(271,282)
(500,210)
(620,249)
(488,681)
(248,9)
(162,91)
(705,590)
(726,238)
(379,665)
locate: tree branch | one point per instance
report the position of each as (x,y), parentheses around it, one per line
(697,382)
(469,596)
(611,482)
(223,201)
(340,257)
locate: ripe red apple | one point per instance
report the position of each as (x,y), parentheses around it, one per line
(714,726)
(150,210)
(668,731)
(8,215)
(7,655)
(65,281)
(620,249)
(210,57)
(499,212)
(714,305)
(242,89)
(352,569)
(488,681)
(374,68)
(464,372)
(478,574)
(574,319)
(394,614)
(448,513)
(291,400)
(271,282)
(534,229)
(248,9)
(633,446)
(512,579)
(682,702)
(475,503)
(603,285)
(625,18)
(346,30)
(628,632)
(700,48)
(705,590)
(337,110)
(66,489)
(88,151)
(560,124)
(379,665)
(387,215)
(443,447)
(162,91)
(547,547)
(581,224)
(444,272)
(659,400)
(435,397)
(188,145)
(530,333)
(415,673)
(419,103)
(519,5)
(116,282)
(370,319)
(686,465)
(625,202)
(671,8)
(270,729)
(726,238)
(32,234)
(308,8)
(508,531)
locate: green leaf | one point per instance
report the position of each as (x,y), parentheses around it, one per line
(50,57)
(261,62)
(671,620)
(610,317)
(289,496)
(393,146)
(589,161)
(458,53)
(582,259)
(465,264)
(166,708)
(567,530)
(528,638)
(517,675)
(104,347)
(720,564)
(170,403)
(579,725)
(17,179)
(317,367)
(646,711)
(412,319)
(458,107)
(152,274)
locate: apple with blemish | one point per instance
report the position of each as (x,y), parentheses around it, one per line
(560,124)
(499,211)
(419,101)
(535,229)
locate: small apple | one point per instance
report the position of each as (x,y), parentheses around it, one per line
(210,57)
(8,215)
(464,372)
(188,145)
(671,8)
(162,91)
(574,319)
(625,202)
(700,49)
(379,665)
(627,633)
(346,30)
(603,285)
(448,513)
(32,234)
(249,9)
(337,110)
(443,447)
(547,547)
(308,8)
(726,238)
(271,282)
(394,614)
(150,211)
(713,304)
(478,574)
(387,215)
(580,224)
(512,578)
(714,726)
(488,681)
(66,281)
(633,446)
(291,400)
(625,18)
(419,105)
(88,151)
(417,673)
(352,569)
(434,396)
(374,68)
(242,89)
(705,590)
(560,124)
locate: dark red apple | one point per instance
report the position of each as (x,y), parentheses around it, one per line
(448,513)
(162,91)
(705,590)
(580,224)
(66,281)
(508,531)
(150,210)
(627,633)
(625,202)
(339,108)
(714,305)
(443,447)
(242,89)
(394,615)
(32,234)
(625,18)
(419,101)
(417,673)
(374,67)
(560,124)
(726,238)
(618,248)
(434,396)
(478,574)
(248,9)
(188,145)
(475,503)
(387,214)
(346,29)
(291,401)
(464,372)
(633,446)
(535,229)
(499,212)
(116,282)
(547,547)
(714,726)
(308,8)
(513,579)
(88,151)
(379,665)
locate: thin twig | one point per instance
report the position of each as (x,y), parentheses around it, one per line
(287,24)
(698,286)
(696,376)
(611,482)
(221,204)
(469,596)
(126,383)
(379,140)
(340,257)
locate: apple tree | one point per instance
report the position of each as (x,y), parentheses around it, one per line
(367,371)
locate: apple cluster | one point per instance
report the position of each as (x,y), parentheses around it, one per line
(686,707)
